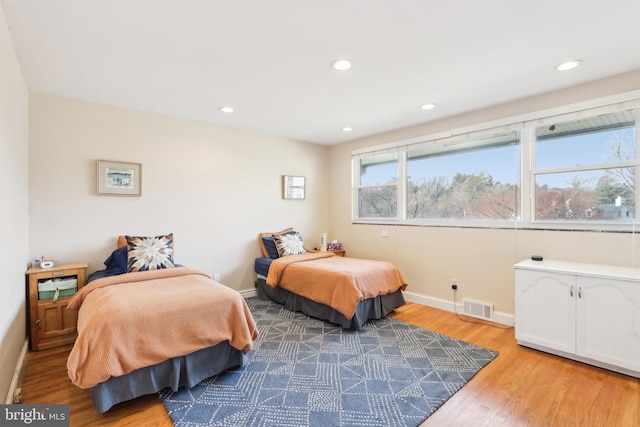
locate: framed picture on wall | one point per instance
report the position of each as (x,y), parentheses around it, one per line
(119,178)
(293,187)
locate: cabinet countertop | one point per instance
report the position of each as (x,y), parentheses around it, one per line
(58,267)
(596,270)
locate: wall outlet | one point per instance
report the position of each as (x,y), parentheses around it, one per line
(384,233)
(454,284)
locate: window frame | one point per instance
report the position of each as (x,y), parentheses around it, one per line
(530,222)
(526,125)
(358,186)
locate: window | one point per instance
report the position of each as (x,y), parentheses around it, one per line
(585,169)
(470,180)
(377,192)
(570,171)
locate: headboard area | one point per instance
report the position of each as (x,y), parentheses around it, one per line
(269,235)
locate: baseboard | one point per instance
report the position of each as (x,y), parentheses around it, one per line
(248,293)
(498,317)
(14,393)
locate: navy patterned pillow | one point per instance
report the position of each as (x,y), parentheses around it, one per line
(289,244)
(149,253)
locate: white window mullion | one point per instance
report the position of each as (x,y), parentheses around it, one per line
(636,170)
(402,185)
(355,186)
(527,176)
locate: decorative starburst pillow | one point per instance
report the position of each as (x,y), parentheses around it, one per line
(289,244)
(149,253)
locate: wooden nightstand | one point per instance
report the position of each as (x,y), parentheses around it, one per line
(50,324)
(341,252)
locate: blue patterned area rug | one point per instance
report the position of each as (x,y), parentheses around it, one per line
(306,372)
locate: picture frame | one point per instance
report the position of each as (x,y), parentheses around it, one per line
(119,178)
(293,187)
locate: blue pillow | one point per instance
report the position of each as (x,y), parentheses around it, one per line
(117,261)
(270,246)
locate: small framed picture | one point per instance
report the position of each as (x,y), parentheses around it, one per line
(119,178)
(293,187)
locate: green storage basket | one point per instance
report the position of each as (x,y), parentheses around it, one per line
(55,288)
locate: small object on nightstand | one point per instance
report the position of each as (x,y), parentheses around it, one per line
(334,246)
(323,242)
(340,252)
(536,258)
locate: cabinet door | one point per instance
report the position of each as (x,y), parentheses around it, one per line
(546,309)
(56,320)
(608,321)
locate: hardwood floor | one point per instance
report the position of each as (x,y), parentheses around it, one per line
(521,387)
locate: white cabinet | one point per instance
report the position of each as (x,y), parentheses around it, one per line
(586,312)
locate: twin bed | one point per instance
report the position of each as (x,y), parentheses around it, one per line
(345,291)
(145,323)
(144,330)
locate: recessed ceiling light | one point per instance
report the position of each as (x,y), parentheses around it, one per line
(341,64)
(226,109)
(428,106)
(347,129)
(569,65)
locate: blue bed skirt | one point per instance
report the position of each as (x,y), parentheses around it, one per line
(183,371)
(369,309)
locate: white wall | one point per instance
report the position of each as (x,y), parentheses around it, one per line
(13,207)
(214,187)
(481,259)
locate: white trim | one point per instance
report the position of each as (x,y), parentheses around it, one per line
(502,318)
(248,293)
(16,381)
(508,123)
(396,144)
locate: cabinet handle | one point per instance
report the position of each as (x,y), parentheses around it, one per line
(38,321)
(571,291)
(579,291)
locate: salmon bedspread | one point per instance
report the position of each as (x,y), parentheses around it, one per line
(135,320)
(338,282)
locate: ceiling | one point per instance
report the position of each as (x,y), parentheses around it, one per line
(270,59)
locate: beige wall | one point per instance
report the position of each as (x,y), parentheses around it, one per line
(214,187)
(13,207)
(480,259)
